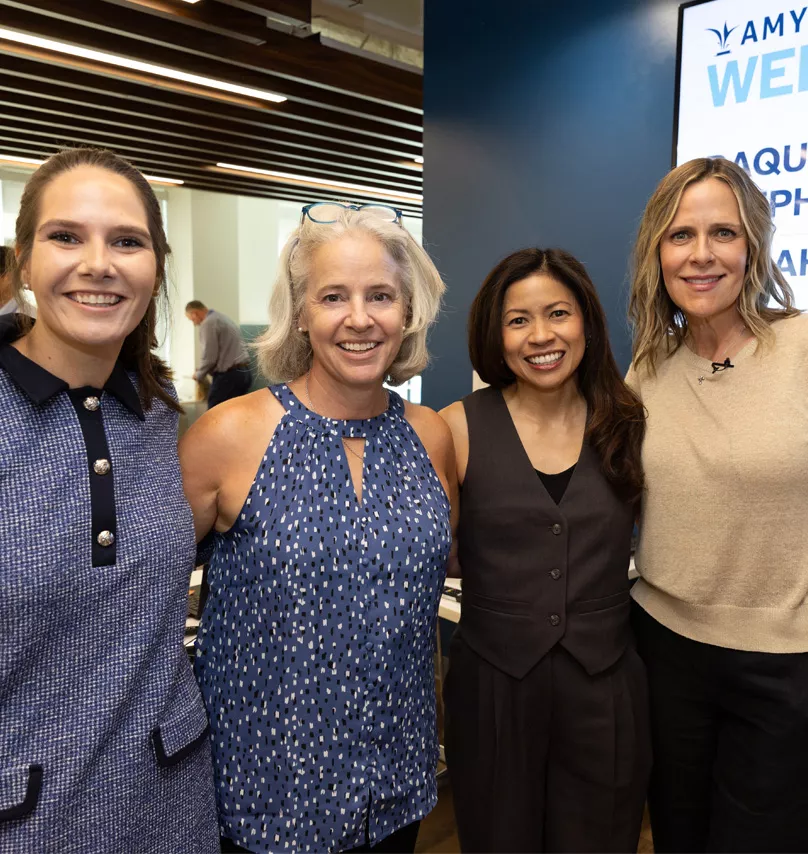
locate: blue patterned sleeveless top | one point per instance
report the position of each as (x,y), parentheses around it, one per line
(315,651)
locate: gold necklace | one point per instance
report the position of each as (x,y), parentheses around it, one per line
(347,447)
(738,332)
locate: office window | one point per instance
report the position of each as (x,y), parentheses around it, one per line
(410,390)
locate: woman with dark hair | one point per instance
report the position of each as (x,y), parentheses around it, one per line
(103,732)
(546,711)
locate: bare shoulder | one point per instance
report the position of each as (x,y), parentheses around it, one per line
(221,429)
(436,438)
(432,430)
(455,416)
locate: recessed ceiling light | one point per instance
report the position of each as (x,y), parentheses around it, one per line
(30,161)
(136,65)
(323,182)
(191,1)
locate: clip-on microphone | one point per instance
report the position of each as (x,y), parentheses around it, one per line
(722,366)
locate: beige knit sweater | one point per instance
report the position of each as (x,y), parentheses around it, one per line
(723,552)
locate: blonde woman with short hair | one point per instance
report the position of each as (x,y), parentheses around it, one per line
(721,612)
(329,501)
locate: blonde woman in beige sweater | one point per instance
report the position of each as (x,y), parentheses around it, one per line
(721,613)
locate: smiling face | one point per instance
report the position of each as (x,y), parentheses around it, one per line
(703,253)
(354,310)
(92,267)
(543,335)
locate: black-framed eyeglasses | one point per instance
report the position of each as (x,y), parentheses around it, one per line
(327,212)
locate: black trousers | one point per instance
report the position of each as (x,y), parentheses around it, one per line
(401,842)
(730,739)
(556,761)
(227,384)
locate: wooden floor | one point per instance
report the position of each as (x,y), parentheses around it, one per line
(438,833)
(646,844)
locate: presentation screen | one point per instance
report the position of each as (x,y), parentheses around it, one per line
(743,94)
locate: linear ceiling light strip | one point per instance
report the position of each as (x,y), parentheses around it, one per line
(323,182)
(30,161)
(137,65)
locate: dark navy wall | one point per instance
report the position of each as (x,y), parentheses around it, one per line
(547,123)
(249,332)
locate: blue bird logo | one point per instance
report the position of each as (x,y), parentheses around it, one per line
(722,37)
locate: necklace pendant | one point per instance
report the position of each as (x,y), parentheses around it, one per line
(701,380)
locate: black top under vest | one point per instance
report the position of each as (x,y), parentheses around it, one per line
(537,573)
(556,484)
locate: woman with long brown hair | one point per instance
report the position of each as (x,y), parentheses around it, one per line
(721,606)
(103,732)
(546,718)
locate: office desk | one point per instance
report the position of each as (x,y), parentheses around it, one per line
(449,608)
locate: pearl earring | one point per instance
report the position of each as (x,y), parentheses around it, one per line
(300,329)
(26,286)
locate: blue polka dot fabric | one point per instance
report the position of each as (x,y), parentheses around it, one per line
(315,651)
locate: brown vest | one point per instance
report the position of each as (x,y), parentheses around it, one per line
(535,573)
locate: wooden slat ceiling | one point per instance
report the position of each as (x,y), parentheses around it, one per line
(346,119)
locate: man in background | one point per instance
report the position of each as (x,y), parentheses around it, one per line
(224,355)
